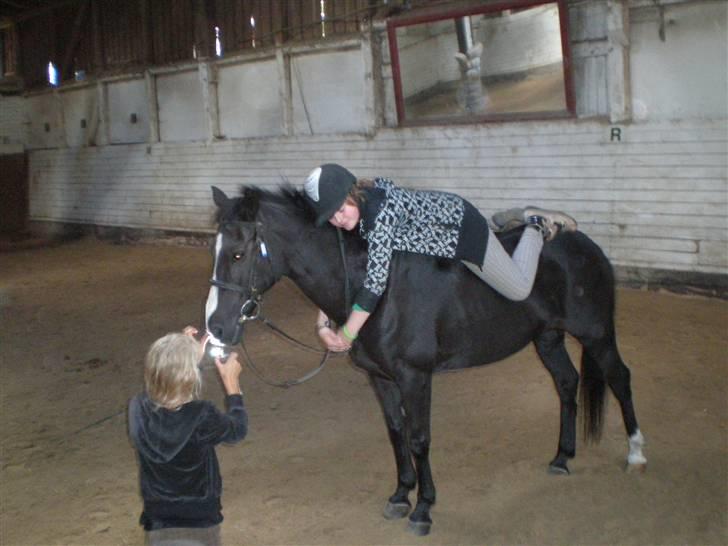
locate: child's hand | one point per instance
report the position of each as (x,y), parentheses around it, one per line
(192,332)
(230,373)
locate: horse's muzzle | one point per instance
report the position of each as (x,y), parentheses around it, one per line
(219,345)
(221,336)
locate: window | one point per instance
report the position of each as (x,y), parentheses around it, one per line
(496,62)
(7,51)
(53,79)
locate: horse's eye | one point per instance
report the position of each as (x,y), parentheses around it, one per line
(237,256)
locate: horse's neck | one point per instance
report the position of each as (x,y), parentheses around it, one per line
(314,264)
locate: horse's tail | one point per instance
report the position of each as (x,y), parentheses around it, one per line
(592,399)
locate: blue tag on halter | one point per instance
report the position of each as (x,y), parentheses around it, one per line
(263,250)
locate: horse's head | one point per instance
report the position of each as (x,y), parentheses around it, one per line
(242,266)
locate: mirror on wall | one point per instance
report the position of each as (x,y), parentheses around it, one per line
(489,62)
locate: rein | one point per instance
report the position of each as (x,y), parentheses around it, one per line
(280,333)
(250,311)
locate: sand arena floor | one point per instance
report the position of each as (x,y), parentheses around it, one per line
(316,467)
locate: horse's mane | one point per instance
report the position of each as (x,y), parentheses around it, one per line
(246,207)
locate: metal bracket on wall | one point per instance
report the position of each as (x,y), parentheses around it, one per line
(660,19)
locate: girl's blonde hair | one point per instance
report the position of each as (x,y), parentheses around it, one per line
(171,373)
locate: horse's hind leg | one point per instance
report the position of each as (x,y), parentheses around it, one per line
(602,361)
(550,347)
(390,399)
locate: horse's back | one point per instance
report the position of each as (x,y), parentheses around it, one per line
(575,284)
(436,314)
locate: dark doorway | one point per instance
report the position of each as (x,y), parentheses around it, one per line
(13,195)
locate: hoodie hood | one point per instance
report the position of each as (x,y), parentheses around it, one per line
(158,433)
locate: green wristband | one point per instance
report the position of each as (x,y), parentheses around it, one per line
(347,334)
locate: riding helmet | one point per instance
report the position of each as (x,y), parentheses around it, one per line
(326,189)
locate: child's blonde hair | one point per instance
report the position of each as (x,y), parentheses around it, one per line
(171,373)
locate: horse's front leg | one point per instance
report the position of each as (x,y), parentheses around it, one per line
(416,389)
(390,399)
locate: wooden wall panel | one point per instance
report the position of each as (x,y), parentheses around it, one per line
(655,199)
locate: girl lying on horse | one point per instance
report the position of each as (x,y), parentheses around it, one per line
(439,224)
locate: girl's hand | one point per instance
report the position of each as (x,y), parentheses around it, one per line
(333,341)
(190,331)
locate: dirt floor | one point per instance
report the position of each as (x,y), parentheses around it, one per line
(316,467)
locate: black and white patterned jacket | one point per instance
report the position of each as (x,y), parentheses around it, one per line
(424,222)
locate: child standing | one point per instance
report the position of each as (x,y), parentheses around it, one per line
(175,435)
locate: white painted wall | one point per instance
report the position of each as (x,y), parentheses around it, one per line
(685,76)
(181,109)
(80,115)
(125,98)
(13,130)
(44,120)
(329,92)
(657,198)
(654,199)
(427,56)
(250,97)
(537,32)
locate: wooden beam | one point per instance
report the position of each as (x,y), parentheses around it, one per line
(208,81)
(618,73)
(152,106)
(147,44)
(98,39)
(75,38)
(33,13)
(202,28)
(12,4)
(278,16)
(283,65)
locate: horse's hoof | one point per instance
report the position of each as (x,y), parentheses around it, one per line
(396,510)
(419,528)
(639,468)
(559,470)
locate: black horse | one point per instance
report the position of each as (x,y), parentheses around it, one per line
(434,316)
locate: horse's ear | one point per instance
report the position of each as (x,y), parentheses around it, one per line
(219,197)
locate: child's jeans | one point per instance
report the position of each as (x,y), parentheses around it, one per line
(184,536)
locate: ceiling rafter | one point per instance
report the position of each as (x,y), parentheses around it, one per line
(21,10)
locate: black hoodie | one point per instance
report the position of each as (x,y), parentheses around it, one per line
(178,469)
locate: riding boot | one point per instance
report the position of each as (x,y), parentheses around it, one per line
(549,222)
(508,219)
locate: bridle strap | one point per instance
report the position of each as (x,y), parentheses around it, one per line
(254,297)
(228,286)
(347,287)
